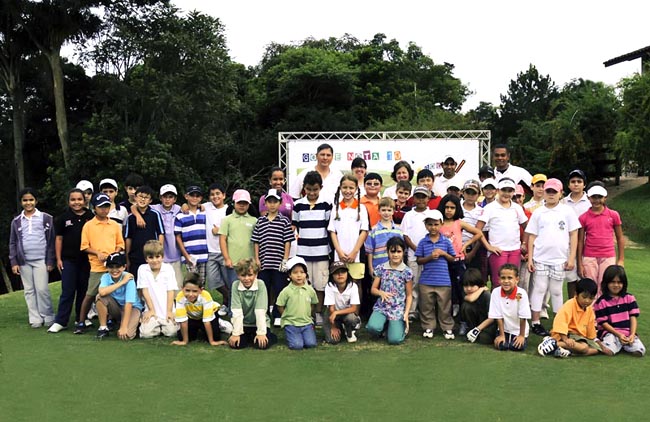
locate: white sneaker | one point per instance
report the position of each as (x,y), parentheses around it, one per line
(55,328)
(225,326)
(547,346)
(223,310)
(88,323)
(92,313)
(428,333)
(455,310)
(352,338)
(449,335)
(561,352)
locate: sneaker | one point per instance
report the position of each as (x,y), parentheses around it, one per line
(455,310)
(543,314)
(352,338)
(101,333)
(561,352)
(358,326)
(225,326)
(539,330)
(223,310)
(79,328)
(92,313)
(55,328)
(319,319)
(547,346)
(462,329)
(449,335)
(88,323)
(428,333)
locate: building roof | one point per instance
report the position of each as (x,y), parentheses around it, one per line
(641,53)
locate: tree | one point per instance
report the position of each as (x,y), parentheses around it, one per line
(634,138)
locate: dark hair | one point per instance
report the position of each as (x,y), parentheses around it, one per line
(274,169)
(75,190)
(504,146)
(193,278)
(25,191)
(609,275)
(324,146)
(373,176)
(395,241)
(399,165)
(134,179)
(348,280)
(349,177)
(588,286)
(146,189)
(473,277)
(456,200)
(424,173)
(216,186)
(404,185)
(312,178)
(359,162)
(595,183)
(509,266)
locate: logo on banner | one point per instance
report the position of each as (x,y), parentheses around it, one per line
(337,156)
(305,157)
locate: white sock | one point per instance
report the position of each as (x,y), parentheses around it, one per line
(103,327)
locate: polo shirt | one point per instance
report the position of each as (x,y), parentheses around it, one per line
(123,294)
(375,243)
(580,206)
(503,224)
(140,235)
(599,232)
(436,271)
(516,173)
(102,236)
(471,217)
(617,312)
(373,211)
(330,184)
(441,183)
(203,308)
(510,308)
(347,227)
(413,227)
(249,307)
(341,300)
(553,227)
(191,227)
(571,318)
(238,229)
(311,223)
(158,286)
(272,236)
(172,253)
(297,301)
(213,217)
(69,225)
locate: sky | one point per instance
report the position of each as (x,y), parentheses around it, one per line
(488,42)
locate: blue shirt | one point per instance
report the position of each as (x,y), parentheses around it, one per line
(191,227)
(124,294)
(375,243)
(436,271)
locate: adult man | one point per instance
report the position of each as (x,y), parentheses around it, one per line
(441,182)
(503,168)
(331,178)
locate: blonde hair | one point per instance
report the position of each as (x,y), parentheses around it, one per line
(387,202)
(153,248)
(349,177)
(246,265)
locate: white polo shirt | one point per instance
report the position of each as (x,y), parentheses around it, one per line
(579,207)
(471,218)
(413,227)
(516,173)
(504,224)
(330,184)
(441,183)
(510,309)
(552,226)
(213,217)
(349,297)
(347,228)
(157,286)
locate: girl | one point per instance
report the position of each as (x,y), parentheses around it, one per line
(277,179)
(342,302)
(359,168)
(31,252)
(348,227)
(452,228)
(616,313)
(393,284)
(401,171)
(503,218)
(72,264)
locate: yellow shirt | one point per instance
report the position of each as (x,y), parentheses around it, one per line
(102,236)
(571,318)
(203,308)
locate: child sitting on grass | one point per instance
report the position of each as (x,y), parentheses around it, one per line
(342,303)
(475,307)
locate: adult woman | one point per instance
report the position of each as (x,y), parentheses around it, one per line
(401,171)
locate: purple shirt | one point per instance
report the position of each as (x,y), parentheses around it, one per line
(286,206)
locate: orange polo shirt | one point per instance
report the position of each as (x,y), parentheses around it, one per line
(373,210)
(571,318)
(103,236)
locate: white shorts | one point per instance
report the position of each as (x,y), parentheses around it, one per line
(157,326)
(614,344)
(319,274)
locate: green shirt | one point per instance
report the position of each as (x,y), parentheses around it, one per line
(297,301)
(244,304)
(238,230)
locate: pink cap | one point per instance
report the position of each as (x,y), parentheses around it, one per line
(554,184)
(241,195)
(519,190)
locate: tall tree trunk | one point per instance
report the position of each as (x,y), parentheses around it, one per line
(54,57)
(18,105)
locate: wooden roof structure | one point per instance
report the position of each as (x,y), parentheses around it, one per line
(642,53)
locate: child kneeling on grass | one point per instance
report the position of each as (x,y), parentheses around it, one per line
(118,299)
(249,302)
(195,311)
(476,306)
(574,326)
(296,304)
(342,303)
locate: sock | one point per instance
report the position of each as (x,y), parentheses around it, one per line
(103,327)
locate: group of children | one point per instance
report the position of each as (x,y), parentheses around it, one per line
(416,256)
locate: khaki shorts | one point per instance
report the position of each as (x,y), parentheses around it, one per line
(319,274)
(591,343)
(93,283)
(357,270)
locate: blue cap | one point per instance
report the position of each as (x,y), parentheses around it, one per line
(100,200)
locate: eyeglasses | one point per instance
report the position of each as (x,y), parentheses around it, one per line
(373,184)
(143,196)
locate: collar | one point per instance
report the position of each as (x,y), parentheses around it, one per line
(512,295)
(401,267)
(502,171)
(37,213)
(355,204)
(254,286)
(584,197)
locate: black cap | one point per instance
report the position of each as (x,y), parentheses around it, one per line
(486,170)
(116,259)
(578,173)
(193,189)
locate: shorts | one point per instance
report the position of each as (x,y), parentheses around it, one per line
(614,344)
(357,270)
(591,343)
(571,276)
(93,283)
(319,274)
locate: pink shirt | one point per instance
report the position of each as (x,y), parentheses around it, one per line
(599,233)
(454,233)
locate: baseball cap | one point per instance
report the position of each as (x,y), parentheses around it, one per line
(272,193)
(116,259)
(422,190)
(110,182)
(243,195)
(486,170)
(293,261)
(85,185)
(337,265)
(489,182)
(577,173)
(100,200)
(597,190)
(554,184)
(472,184)
(433,215)
(539,177)
(519,190)
(453,183)
(449,158)
(193,189)
(506,183)
(168,189)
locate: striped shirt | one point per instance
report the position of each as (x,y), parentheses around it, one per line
(33,233)
(436,271)
(191,227)
(375,243)
(311,227)
(202,308)
(616,311)
(272,236)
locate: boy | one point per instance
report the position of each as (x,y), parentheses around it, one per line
(136,236)
(100,237)
(552,245)
(434,252)
(510,308)
(88,190)
(425,178)
(578,201)
(168,210)
(131,184)
(311,215)
(537,200)
(118,213)
(574,327)
(215,270)
(370,199)
(118,299)
(157,283)
(249,303)
(190,233)
(403,192)
(195,311)
(235,234)
(475,307)
(375,244)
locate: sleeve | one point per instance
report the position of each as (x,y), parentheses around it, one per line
(295,216)
(237,319)
(85,244)
(59,225)
(419,250)
(13,245)
(261,305)
(119,239)
(632,307)
(50,239)
(296,185)
(314,297)
(364,221)
(329,296)
(354,296)
(533,223)
(600,310)
(159,222)
(408,275)
(255,236)
(450,247)
(523,310)
(143,280)
(485,216)
(495,311)
(572,220)
(262,204)
(282,298)
(225,226)
(105,280)
(180,313)
(209,306)
(561,321)
(131,293)
(331,227)
(616,218)
(521,215)
(128,227)
(591,325)
(288,235)
(369,243)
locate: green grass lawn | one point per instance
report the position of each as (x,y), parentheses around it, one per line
(72,378)
(632,205)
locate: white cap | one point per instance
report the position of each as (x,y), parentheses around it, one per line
(111,182)
(506,183)
(597,190)
(168,189)
(84,185)
(296,260)
(432,214)
(489,181)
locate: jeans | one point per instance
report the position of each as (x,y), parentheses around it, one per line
(74,283)
(396,328)
(300,337)
(216,272)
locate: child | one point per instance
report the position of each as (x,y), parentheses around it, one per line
(131,184)
(616,314)
(425,178)
(348,228)
(249,304)
(277,179)
(375,244)
(433,253)
(157,283)
(537,187)
(32,256)
(118,212)
(216,272)
(475,308)
(578,201)
(370,199)
(503,218)
(471,212)
(489,188)
(190,233)
(136,236)
(272,236)
(87,188)
(599,224)
(118,299)
(235,234)
(100,237)
(168,210)
(195,312)
(296,303)
(342,302)
(393,284)
(72,263)
(311,215)
(403,195)
(574,326)
(552,244)
(510,308)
